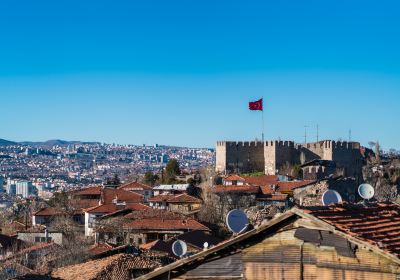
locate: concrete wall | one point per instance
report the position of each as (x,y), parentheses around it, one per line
(56,237)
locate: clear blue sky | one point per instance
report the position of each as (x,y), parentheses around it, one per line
(182,72)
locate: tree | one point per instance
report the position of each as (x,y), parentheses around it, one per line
(172,170)
(150,178)
(115,182)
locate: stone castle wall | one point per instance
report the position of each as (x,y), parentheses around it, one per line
(269,156)
(239,157)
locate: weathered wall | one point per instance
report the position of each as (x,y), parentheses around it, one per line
(239,157)
(242,157)
(283,256)
(278,153)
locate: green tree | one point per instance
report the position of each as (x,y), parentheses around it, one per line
(115,182)
(171,171)
(150,178)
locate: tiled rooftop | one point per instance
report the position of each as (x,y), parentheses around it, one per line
(93,269)
(237,189)
(108,195)
(378,224)
(165,224)
(132,186)
(50,211)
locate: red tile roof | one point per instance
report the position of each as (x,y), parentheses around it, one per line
(88,191)
(100,248)
(104,208)
(108,195)
(253,180)
(234,177)
(154,213)
(286,186)
(235,189)
(170,198)
(261,180)
(166,224)
(135,186)
(112,208)
(184,198)
(161,198)
(274,197)
(50,211)
(378,224)
(138,206)
(100,268)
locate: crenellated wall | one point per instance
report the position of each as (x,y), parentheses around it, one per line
(269,156)
(239,157)
(277,153)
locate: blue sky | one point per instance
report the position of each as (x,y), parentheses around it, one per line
(182,72)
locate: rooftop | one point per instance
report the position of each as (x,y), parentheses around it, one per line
(93,269)
(135,186)
(377,224)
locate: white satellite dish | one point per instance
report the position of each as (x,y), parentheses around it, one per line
(179,248)
(237,221)
(366,191)
(205,245)
(331,197)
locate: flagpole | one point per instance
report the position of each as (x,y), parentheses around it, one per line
(262,116)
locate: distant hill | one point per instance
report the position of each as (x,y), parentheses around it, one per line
(48,143)
(4,142)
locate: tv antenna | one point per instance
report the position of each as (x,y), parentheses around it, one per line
(237,221)
(331,197)
(305,134)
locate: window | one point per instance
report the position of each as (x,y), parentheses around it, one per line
(37,239)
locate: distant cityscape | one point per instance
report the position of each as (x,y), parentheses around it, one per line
(40,168)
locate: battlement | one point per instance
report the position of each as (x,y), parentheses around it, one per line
(239,144)
(331,144)
(276,143)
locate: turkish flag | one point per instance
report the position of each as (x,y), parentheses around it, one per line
(256,105)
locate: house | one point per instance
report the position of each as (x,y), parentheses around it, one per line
(41,235)
(318,169)
(139,188)
(184,203)
(171,189)
(46,216)
(9,245)
(160,201)
(238,180)
(181,203)
(194,240)
(93,213)
(147,226)
(346,241)
(119,266)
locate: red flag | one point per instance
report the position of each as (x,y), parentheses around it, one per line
(256,105)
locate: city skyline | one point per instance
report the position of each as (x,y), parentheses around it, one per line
(182,73)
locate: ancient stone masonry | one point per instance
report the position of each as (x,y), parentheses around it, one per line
(269,157)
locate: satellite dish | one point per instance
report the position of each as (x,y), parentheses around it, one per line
(331,197)
(179,248)
(237,221)
(205,245)
(366,191)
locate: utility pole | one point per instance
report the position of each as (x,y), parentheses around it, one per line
(317,133)
(349,135)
